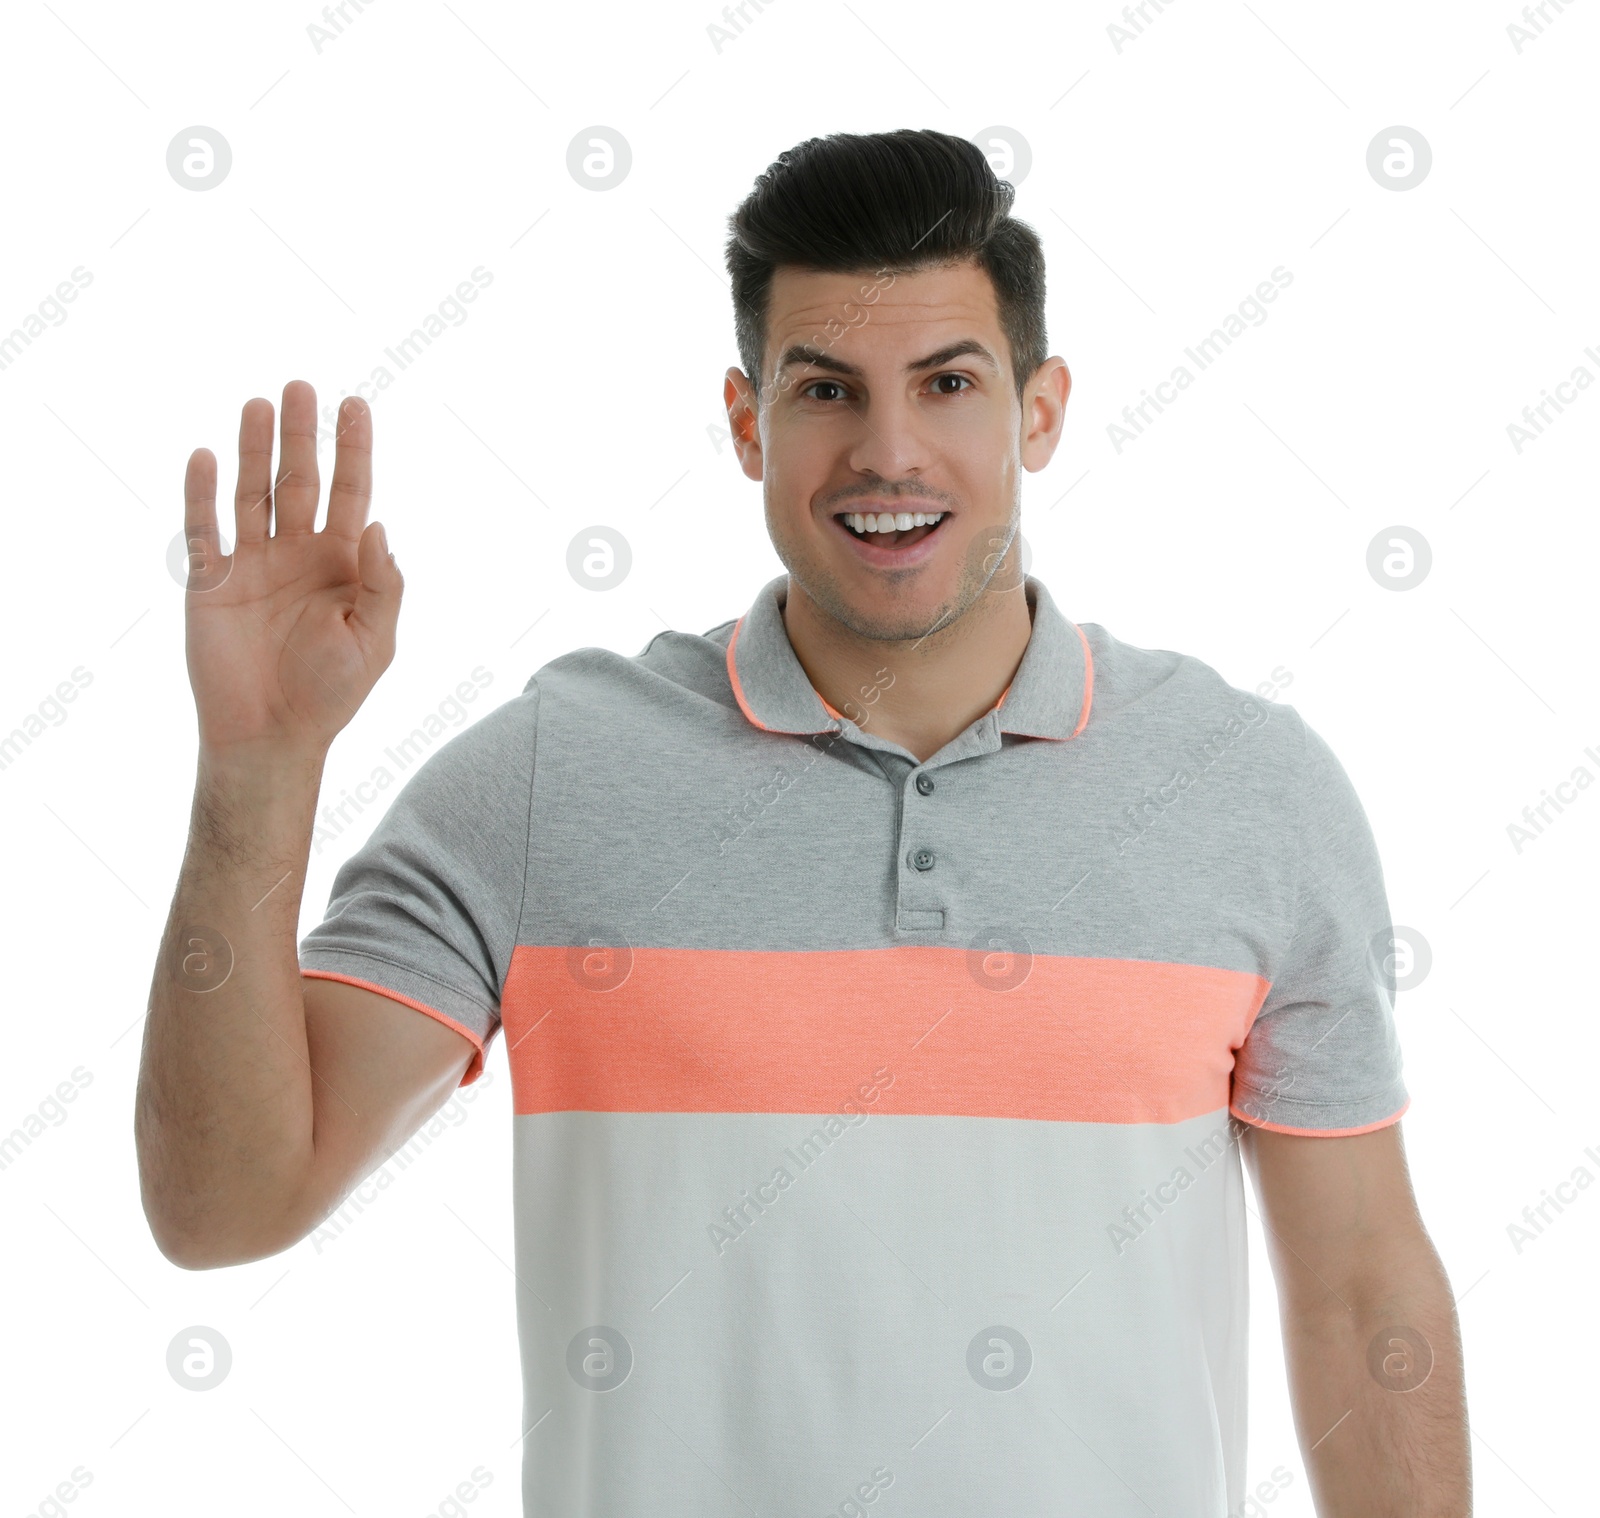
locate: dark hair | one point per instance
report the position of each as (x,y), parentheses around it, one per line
(891,202)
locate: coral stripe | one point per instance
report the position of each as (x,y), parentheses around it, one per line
(474,1068)
(1327,1133)
(724,1030)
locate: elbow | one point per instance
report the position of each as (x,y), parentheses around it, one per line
(193,1236)
(200,1226)
(202,1249)
(190,1251)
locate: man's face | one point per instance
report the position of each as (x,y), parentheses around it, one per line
(886,397)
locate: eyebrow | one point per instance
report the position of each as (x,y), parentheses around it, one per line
(804,353)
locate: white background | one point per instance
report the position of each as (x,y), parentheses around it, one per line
(372,1374)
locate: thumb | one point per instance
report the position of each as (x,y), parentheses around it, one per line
(377,607)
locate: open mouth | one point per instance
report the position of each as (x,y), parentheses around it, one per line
(890,529)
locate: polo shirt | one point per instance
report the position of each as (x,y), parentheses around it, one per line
(876,1121)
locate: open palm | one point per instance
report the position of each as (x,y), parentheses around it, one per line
(288,634)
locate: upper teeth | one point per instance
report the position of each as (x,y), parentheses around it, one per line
(891,521)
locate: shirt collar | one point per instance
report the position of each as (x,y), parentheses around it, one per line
(1049,696)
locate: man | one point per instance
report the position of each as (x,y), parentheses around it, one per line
(890,977)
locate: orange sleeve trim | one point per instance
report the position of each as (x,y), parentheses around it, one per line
(1330,1133)
(474,1068)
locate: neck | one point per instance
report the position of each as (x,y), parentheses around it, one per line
(919,693)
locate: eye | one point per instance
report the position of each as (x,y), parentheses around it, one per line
(831,384)
(939,379)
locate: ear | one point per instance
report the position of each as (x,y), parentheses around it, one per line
(1044,409)
(743,422)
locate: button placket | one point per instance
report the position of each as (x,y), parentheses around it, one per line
(918,908)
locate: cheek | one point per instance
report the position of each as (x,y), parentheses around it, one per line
(978,464)
(799,460)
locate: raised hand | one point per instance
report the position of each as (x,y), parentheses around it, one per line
(288,634)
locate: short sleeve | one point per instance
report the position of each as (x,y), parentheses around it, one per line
(426,911)
(1322,1056)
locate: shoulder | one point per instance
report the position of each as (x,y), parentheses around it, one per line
(676,673)
(490,757)
(1164,698)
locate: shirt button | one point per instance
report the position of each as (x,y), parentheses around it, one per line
(921,859)
(925,784)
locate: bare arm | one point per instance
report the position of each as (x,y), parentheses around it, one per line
(262,1097)
(1369,1327)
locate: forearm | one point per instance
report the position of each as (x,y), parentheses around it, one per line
(1375,1368)
(223,1114)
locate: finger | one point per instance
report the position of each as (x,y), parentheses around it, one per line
(200,538)
(252,499)
(294,494)
(351,492)
(377,607)
(200,492)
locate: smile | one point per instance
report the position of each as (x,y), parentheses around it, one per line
(892,530)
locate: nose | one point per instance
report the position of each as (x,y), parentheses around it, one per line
(891,440)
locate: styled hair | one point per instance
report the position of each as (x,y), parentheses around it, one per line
(888,203)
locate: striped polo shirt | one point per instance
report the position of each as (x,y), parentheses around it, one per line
(876,1120)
